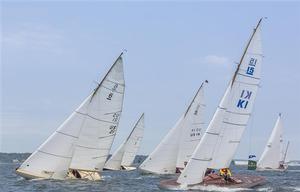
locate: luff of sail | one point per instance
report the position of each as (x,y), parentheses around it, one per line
(133,142)
(193,127)
(272,154)
(101,121)
(52,159)
(178,145)
(222,137)
(125,154)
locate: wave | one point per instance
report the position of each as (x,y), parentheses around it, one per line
(294,171)
(269,189)
(294,188)
(212,188)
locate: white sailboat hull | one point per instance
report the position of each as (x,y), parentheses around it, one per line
(30,175)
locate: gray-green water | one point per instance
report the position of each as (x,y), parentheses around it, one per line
(128,180)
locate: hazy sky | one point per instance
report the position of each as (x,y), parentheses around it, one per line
(52,52)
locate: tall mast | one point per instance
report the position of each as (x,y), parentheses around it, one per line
(245,51)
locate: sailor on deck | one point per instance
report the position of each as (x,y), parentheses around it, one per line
(225,172)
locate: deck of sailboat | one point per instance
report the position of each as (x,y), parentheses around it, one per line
(240,181)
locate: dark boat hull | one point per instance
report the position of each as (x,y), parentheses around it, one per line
(237,181)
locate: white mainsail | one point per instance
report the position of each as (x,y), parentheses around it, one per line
(133,142)
(222,137)
(193,127)
(273,152)
(125,154)
(178,145)
(83,141)
(163,159)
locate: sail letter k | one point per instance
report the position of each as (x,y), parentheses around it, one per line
(248,95)
(240,103)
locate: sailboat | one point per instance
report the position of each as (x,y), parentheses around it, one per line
(81,145)
(174,151)
(222,137)
(123,157)
(273,157)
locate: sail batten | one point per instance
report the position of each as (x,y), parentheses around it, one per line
(224,132)
(76,144)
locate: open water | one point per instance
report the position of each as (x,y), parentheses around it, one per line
(129,180)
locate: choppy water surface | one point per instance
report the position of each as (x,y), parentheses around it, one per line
(131,181)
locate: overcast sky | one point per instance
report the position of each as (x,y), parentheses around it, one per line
(52,52)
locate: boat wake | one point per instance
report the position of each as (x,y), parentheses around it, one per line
(106,177)
(269,189)
(294,188)
(38,179)
(210,188)
(297,171)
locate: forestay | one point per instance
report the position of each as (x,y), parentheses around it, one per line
(126,153)
(178,145)
(223,135)
(52,159)
(272,155)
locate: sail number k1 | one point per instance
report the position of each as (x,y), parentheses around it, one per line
(244,99)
